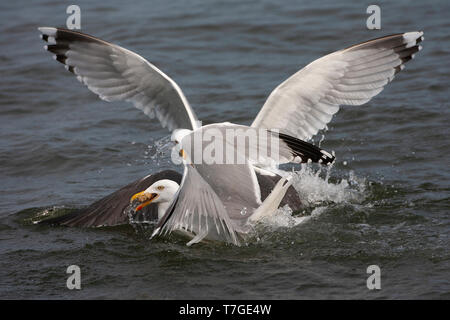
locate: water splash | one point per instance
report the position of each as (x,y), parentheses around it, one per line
(158,152)
(36,215)
(317,192)
(284,218)
(139,221)
(315,187)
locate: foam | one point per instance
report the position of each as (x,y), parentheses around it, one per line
(317,193)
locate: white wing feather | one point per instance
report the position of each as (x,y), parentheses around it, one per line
(216,199)
(197,208)
(117,74)
(304,104)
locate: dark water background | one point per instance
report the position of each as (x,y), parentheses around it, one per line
(61,147)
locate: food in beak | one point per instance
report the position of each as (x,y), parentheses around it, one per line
(144,198)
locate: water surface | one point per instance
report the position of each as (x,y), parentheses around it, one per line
(385,201)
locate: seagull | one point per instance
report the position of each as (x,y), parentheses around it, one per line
(224,225)
(114,209)
(299,107)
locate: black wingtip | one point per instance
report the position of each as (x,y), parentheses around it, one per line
(307,152)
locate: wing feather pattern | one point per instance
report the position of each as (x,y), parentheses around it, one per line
(197,208)
(304,103)
(117,74)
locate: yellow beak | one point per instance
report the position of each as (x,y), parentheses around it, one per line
(139,196)
(144,198)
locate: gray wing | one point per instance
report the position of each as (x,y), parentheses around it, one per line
(304,104)
(216,199)
(109,211)
(117,74)
(198,209)
(256,145)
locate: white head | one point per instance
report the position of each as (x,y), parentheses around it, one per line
(177,137)
(161,192)
(179,134)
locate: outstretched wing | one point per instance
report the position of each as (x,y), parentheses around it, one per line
(304,103)
(117,74)
(110,210)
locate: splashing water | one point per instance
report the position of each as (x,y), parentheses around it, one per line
(284,218)
(315,190)
(159,151)
(317,193)
(140,222)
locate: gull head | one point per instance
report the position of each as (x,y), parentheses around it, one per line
(177,137)
(179,134)
(161,191)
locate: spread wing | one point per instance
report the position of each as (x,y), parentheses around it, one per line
(110,210)
(117,74)
(304,103)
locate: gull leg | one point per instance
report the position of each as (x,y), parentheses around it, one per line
(271,203)
(199,237)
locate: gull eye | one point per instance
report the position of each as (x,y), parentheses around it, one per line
(160,188)
(176,142)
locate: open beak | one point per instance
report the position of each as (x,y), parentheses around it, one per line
(144,198)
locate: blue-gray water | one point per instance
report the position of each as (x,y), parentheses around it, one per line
(61,147)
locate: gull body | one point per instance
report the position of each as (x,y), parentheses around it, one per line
(163,192)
